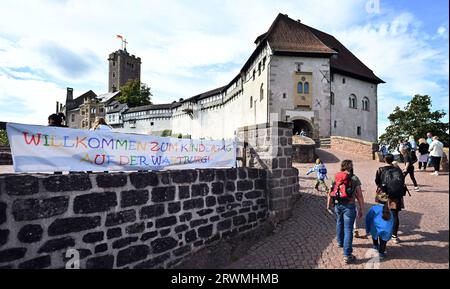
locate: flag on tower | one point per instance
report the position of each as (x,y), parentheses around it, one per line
(120,36)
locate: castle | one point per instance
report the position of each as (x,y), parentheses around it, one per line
(296,73)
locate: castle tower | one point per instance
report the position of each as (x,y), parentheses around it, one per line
(122,67)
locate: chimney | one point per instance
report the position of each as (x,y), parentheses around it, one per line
(57,106)
(69,96)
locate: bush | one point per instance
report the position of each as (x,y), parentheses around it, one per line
(166,133)
(3,138)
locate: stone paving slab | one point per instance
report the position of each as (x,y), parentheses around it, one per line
(307,239)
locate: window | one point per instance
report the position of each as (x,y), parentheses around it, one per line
(306,87)
(358,130)
(264,63)
(300,87)
(332,98)
(284,95)
(72,117)
(365,104)
(251,101)
(114,74)
(261,92)
(259,68)
(254,74)
(335,124)
(343,80)
(352,101)
(152,123)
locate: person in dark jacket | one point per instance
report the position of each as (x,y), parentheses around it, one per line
(423,154)
(409,167)
(394,204)
(55,120)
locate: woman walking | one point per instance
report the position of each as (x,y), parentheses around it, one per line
(409,166)
(423,154)
(436,153)
(390,179)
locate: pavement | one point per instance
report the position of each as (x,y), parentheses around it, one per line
(307,239)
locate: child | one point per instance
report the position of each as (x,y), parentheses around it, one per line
(321,172)
(380,223)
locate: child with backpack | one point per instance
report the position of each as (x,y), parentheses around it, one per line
(380,223)
(321,173)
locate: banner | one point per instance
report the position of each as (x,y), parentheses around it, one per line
(37,148)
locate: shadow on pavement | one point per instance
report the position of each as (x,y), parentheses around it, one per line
(327,157)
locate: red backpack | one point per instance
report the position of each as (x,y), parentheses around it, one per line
(342,189)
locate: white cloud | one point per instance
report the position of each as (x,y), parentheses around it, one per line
(180,42)
(28,101)
(398,50)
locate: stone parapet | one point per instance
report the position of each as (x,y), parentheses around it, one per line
(355,146)
(126,220)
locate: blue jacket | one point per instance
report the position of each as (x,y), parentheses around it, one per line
(319,171)
(377,226)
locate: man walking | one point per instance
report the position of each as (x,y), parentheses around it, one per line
(345,188)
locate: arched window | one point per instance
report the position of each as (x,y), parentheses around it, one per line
(300,87)
(261,92)
(306,87)
(365,104)
(251,101)
(332,98)
(352,102)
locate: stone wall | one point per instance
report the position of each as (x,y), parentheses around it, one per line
(269,147)
(5,156)
(355,146)
(130,220)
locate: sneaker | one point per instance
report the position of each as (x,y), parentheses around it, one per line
(416,189)
(382,255)
(349,259)
(356,234)
(435,174)
(395,239)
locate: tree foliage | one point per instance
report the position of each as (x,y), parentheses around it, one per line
(134,93)
(3,138)
(416,119)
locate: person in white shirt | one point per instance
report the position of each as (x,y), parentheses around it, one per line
(436,153)
(101,124)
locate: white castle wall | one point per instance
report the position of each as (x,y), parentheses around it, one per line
(348,119)
(221,115)
(282,70)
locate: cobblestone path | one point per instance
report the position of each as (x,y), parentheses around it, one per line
(307,239)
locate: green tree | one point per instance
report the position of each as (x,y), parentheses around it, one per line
(3,138)
(415,119)
(134,93)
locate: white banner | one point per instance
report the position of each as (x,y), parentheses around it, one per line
(37,148)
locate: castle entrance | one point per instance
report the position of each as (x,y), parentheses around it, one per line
(306,126)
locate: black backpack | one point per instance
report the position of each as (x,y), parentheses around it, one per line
(393,182)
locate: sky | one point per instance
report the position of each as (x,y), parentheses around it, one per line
(191,46)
